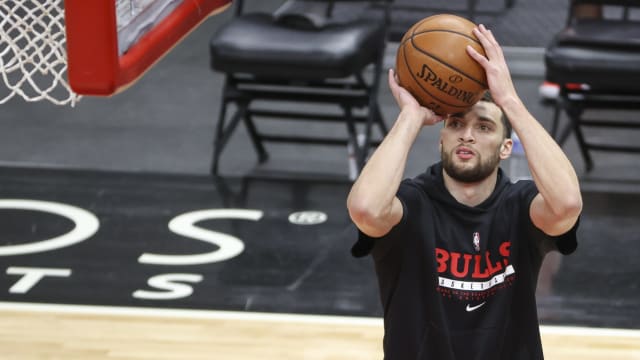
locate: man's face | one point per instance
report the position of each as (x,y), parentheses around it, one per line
(472,144)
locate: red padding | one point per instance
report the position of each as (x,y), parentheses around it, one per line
(94,66)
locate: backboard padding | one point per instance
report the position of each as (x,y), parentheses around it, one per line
(95,66)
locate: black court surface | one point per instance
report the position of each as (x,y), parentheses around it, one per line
(180,242)
(255,244)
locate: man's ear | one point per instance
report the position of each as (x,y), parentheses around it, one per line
(505,148)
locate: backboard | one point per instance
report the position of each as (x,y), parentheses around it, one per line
(111,43)
(58,50)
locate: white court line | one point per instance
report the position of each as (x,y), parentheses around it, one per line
(190,314)
(589,331)
(272,317)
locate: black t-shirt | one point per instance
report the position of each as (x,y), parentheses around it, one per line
(458,282)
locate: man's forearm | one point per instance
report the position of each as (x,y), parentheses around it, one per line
(372,195)
(551,170)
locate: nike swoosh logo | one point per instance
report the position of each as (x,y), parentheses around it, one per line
(476,307)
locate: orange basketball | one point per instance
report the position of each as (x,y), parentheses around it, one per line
(433,65)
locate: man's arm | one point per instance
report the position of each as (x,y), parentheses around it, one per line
(372,202)
(557,207)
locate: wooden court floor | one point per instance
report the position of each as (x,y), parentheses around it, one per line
(31,331)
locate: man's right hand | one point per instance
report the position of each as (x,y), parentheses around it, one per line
(408,102)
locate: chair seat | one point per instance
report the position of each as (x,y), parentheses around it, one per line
(258,44)
(604,55)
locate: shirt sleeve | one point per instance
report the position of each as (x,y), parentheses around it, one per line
(363,245)
(566,243)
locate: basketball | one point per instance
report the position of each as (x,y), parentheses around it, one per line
(432,63)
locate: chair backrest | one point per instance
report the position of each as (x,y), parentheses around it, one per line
(612,10)
(613,24)
(303,62)
(383,4)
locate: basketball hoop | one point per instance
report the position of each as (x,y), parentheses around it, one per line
(58,50)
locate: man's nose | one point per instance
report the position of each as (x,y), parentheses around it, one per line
(467,135)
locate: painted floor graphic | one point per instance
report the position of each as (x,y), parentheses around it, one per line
(186,242)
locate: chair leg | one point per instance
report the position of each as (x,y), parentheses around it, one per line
(352,132)
(223,134)
(565,134)
(562,103)
(225,129)
(471,9)
(557,110)
(372,118)
(380,120)
(354,143)
(218,137)
(253,133)
(575,112)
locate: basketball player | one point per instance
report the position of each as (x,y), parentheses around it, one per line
(457,249)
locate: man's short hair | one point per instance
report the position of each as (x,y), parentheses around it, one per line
(506,124)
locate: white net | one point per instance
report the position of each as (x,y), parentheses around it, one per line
(33,58)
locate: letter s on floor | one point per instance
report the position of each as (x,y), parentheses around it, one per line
(229,246)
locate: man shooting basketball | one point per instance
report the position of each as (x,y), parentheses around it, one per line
(457,250)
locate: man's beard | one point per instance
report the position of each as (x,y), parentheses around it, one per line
(479,172)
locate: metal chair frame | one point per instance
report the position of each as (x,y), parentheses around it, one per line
(351,95)
(575,98)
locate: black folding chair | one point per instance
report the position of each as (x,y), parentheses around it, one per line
(281,64)
(405,13)
(595,60)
